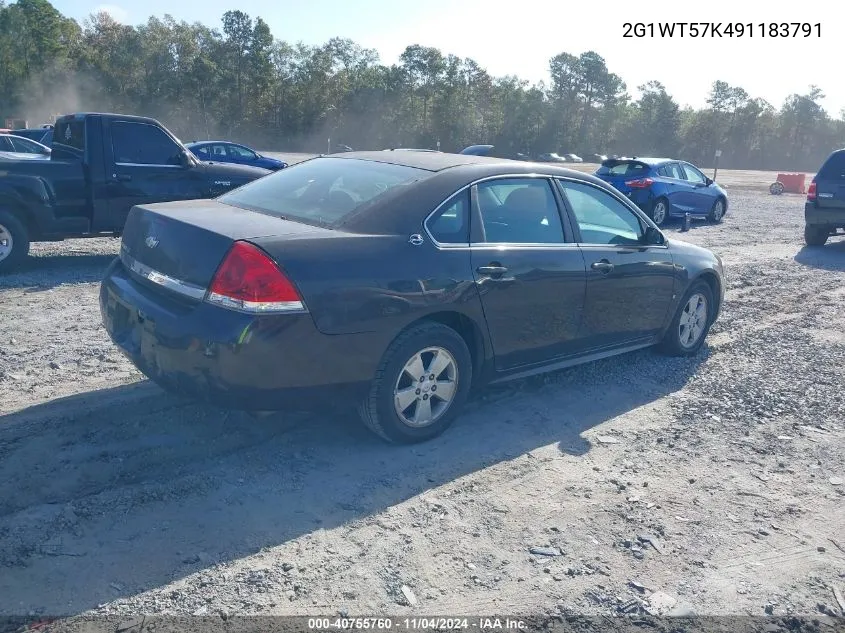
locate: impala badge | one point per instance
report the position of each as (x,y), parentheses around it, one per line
(151,241)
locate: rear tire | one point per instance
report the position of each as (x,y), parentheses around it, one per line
(677,340)
(660,211)
(717,213)
(14,242)
(393,386)
(816,235)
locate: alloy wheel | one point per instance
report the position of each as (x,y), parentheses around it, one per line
(426,387)
(693,320)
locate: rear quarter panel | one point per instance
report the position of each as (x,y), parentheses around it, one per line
(354,283)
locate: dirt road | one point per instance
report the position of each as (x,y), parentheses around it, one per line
(713,483)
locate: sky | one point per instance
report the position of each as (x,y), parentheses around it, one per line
(519,38)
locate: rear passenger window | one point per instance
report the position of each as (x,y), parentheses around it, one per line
(834,167)
(519,211)
(670,171)
(450,225)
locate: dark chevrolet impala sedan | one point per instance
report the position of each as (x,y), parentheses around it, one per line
(399,282)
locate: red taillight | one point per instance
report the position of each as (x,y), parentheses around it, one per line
(811,191)
(640,183)
(248,280)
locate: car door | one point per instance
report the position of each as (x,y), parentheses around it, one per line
(676,187)
(146,167)
(630,284)
(530,277)
(701,195)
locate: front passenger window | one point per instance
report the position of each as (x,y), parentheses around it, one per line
(142,144)
(519,211)
(601,218)
(693,175)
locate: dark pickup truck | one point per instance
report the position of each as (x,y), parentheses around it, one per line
(100,167)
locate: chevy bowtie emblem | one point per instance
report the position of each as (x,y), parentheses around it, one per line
(151,241)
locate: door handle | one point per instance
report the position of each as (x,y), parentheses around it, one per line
(491,270)
(121,177)
(604,266)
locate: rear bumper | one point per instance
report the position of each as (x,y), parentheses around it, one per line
(231,359)
(813,215)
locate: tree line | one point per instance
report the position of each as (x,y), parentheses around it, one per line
(241,83)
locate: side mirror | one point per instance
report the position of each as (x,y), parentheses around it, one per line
(653,237)
(185,159)
(708,181)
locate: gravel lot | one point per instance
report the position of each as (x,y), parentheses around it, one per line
(713,484)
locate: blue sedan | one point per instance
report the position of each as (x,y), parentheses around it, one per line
(666,188)
(227,152)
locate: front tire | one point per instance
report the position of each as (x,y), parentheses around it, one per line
(691,323)
(14,242)
(420,385)
(815,235)
(660,211)
(717,213)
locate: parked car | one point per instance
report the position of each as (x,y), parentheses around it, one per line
(99,167)
(666,188)
(550,157)
(824,210)
(409,149)
(13,147)
(226,152)
(43,135)
(573,158)
(599,158)
(490,150)
(341,148)
(259,297)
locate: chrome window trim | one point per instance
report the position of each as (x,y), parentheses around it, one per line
(183,288)
(625,203)
(148,165)
(468,244)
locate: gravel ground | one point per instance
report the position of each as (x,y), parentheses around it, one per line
(639,484)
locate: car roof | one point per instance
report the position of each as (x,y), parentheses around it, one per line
(431,161)
(24,138)
(210,142)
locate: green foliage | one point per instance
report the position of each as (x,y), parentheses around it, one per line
(241,83)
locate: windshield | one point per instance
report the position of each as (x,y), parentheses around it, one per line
(323,190)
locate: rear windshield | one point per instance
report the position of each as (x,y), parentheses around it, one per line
(322,191)
(834,167)
(70,132)
(622,168)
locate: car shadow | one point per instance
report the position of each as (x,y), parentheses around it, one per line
(831,256)
(115,492)
(43,272)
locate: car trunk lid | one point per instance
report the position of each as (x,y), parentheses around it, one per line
(830,182)
(180,245)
